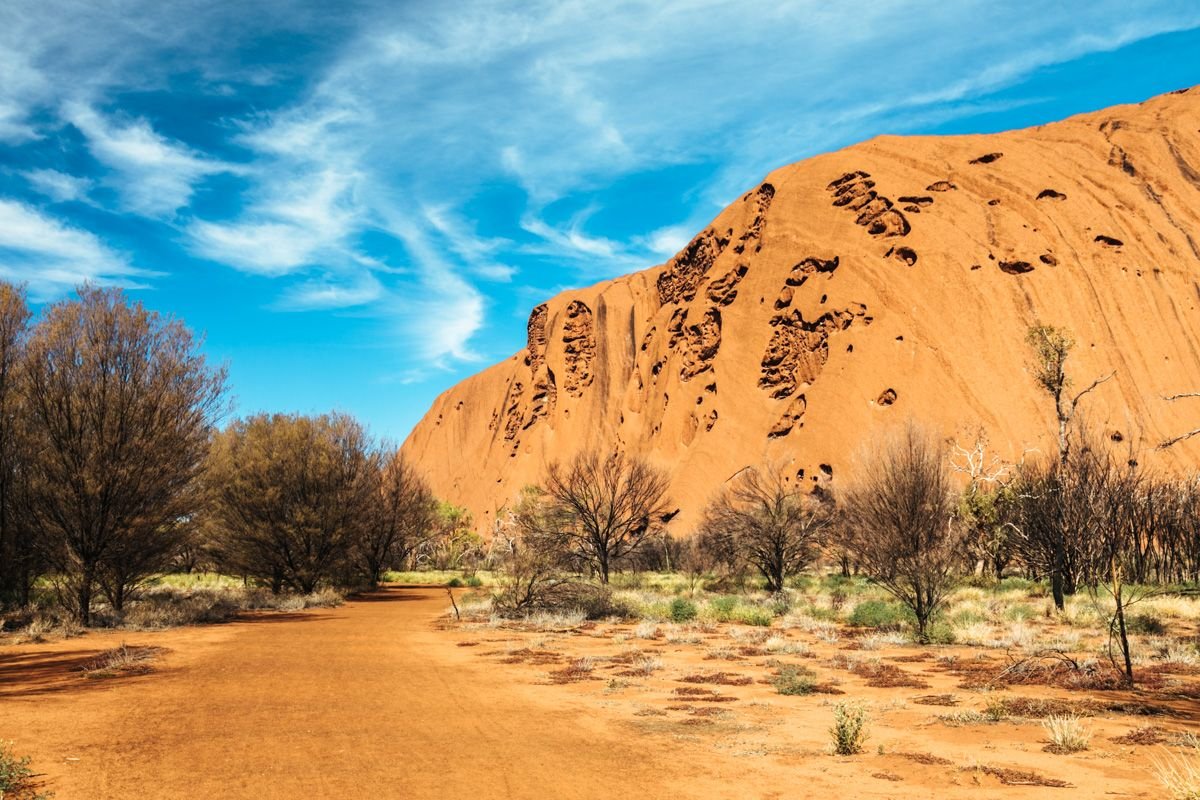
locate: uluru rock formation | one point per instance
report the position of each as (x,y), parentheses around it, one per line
(890,280)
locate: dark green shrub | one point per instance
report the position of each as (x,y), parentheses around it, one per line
(879,614)
(682,610)
(1147,624)
(454,583)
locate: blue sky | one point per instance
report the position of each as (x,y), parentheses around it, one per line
(358,203)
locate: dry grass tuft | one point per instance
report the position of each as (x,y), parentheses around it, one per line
(925,758)
(1018,777)
(1149,734)
(1067,734)
(122,661)
(884,676)
(1179,775)
(718,679)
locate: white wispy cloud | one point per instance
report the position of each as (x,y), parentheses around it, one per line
(53,257)
(298,221)
(153,175)
(61,187)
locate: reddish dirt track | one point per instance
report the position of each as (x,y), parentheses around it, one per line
(364,701)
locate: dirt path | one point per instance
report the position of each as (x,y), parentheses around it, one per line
(366,700)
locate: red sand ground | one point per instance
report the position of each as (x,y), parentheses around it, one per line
(376,700)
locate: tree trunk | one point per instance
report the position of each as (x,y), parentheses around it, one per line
(1056,589)
(84,600)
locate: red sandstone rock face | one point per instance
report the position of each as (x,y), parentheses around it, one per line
(816,310)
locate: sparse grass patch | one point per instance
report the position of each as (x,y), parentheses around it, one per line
(793,680)
(886,676)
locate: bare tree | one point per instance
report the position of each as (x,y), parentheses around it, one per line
(771,524)
(16,541)
(121,405)
(900,526)
(536,573)
(402,521)
(293,494)
(1051,348)
(1058,517)
(604,508)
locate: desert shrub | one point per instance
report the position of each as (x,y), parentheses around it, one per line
(1067,733)
(878,614)
(1145,623)
(16,776)
(1019,612)
(940,632)
(849,729)
(793,680)
(475,581)
(722,608)
(454,583)
(683,610)
(753,615)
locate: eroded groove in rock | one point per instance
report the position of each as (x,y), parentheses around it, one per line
(811,266)
(535,347)
(1015,267)
(512,411)
(799,349)
(545,395)
(792,416)
(701,343)
(855,192)
(987,158)
(941,186)
(762,198)
(681,277)
(723,290)
(579,345)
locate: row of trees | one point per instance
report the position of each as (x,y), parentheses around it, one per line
(112,468)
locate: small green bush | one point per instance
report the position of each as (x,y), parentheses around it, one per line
(722,608)
(849,729)
(475,581)
(753,615)
(454,583)
(939,632)
(1015,585)
(793,680)
(682,610)
(878,614)
(16,776)
(1020,612)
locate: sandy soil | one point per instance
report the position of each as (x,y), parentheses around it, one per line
(379,699)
